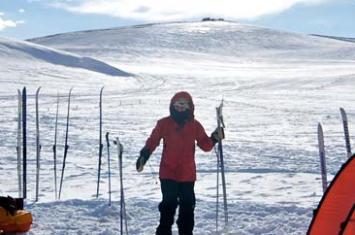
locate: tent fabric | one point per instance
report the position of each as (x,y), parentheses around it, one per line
(19,222)
(348,227)
(336,203)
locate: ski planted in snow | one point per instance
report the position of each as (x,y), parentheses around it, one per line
(323,166)
(55,150)
(66,146)
(220,167)
(109,167)
(18,147)
(24,142)
(38,145)
(123,215)
(100,146)
(346,132)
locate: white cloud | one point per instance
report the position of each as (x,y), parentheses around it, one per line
(21,10)
(149,10)
(8,23)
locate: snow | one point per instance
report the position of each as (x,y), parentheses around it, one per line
(276,87)
(14,50)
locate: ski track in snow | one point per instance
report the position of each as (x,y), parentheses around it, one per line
(274,99)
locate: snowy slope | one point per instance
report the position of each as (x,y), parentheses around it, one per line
(17,52)
(276,87)
(214,38)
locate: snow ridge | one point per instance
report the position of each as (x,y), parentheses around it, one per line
(17,49)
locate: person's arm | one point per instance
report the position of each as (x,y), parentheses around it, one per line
(151,144)
(203,140)
(154,139)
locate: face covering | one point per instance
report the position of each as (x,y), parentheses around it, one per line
(181,105)
(180,117)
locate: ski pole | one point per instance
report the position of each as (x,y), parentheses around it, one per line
(24,141)
(100,145)
(55,149)
(66,146)
(123,215)
(109,167)
(217,189)
(18,148)
(38,145)
(220,124)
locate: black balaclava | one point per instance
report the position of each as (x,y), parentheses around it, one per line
(180,117)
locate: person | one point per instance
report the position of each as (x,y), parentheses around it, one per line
(177,171)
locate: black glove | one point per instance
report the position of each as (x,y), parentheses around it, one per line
(9,204)
(143,158)
(217,135)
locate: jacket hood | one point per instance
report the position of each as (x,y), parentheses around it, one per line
(185,95)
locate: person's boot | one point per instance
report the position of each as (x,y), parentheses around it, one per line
(167,212)
(186,221)
(163,231)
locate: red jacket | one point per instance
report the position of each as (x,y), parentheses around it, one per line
(178,158)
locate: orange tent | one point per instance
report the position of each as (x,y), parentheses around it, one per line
(19,222)
(335,213)
(348,227)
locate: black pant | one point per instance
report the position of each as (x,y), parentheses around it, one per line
(174,194)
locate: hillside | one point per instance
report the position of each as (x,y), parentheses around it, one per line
(207,39)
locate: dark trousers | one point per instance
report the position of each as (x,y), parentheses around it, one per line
(174,194)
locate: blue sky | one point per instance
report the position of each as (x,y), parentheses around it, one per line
(25,19)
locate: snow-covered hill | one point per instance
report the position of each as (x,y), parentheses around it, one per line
(276,87)
(219,38)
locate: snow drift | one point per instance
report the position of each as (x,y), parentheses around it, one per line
(20,52)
